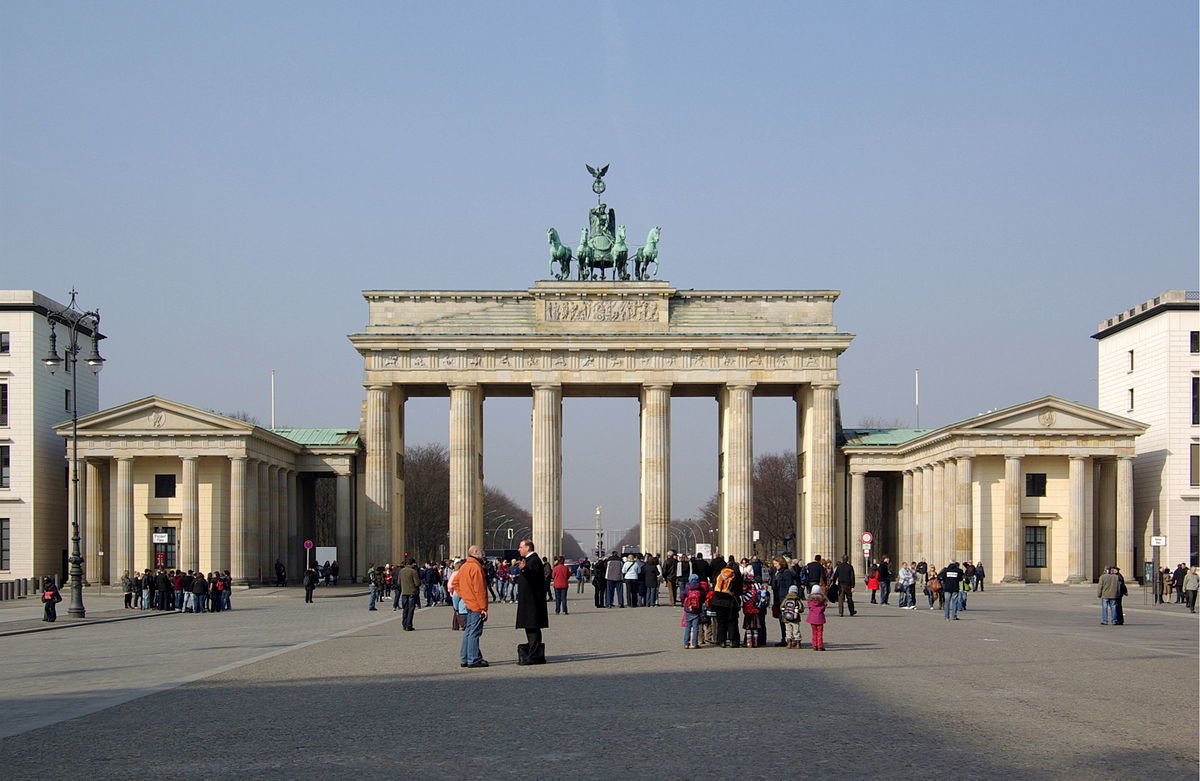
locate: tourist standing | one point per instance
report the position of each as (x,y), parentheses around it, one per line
(531,606)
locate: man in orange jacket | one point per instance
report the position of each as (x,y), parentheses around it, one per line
(471,586)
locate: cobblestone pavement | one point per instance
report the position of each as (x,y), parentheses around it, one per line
(1028,684)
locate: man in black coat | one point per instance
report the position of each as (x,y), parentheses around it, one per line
(531,605)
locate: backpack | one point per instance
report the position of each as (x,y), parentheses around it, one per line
(693,601)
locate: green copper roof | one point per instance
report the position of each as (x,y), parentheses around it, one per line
(327,437)
(867,437)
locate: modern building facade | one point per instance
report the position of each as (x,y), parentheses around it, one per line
(1148,364)
(34,474)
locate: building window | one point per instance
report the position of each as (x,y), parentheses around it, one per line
(4,342)
(4,403)
(6,549)
(1194,451)
(1131,399)
(1195,342)
(1035,484)
(1131,360)
(4,466)
(1035,546)
(164,486)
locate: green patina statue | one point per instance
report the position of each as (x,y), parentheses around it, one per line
(602,244)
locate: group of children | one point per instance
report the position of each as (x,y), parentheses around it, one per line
(701,612)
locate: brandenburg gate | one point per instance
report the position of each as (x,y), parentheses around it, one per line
(625,336)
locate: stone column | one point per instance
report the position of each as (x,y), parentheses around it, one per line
(1077,569)
(123,546)
(189,525)
(821,475)
(378,475)
(938,514)
(466,509)
(1106,513)
(94,513)
(964,511)
(906,541)
(547,470)
(927,514)
(656,468)
(738,494)
(1125,516)
(345,525)
(265,537)
(1014,530)
(858,512)
(240,558)
(280,501)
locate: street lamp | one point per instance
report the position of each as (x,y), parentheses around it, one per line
(75,319)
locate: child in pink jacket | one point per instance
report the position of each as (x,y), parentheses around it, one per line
(816,617)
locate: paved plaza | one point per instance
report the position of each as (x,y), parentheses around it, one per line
(1028,684)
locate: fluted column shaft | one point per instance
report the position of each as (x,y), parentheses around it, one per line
(189,531)
(964,511)
(1125,515)
(738,489)
(345,524)
(907,545)
(93,566)
(1014,532)
(378,475)
(123,546)
(858,511)
(466,468)
(1077,569)
(656,468)
(822,477)
(241,558)
(546,432)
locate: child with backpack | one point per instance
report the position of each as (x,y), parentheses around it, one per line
(816,617)
(694,599)
(791,610)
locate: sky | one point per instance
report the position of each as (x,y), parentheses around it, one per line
(983,182)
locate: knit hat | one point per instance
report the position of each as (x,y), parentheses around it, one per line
(793,590)
(694,579)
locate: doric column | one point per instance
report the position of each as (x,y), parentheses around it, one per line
(378,475)
(858,511)
(189,525)
(1125,516)
(280,488)
(547,469)
(466,468)
(821,462)
(1106,512)
(264,536)
(963,511)
(737,439)
(295,545)
(93,566)
(938,514)
(345,524)
(656,468)
(1077,569)
(908,546)
(927,515)
(240,558)
(123,546)
(1014,540)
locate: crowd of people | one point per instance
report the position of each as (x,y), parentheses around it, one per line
(175,589)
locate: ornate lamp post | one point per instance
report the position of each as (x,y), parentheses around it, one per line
(75,320)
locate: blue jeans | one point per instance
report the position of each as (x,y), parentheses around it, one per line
(468,651)
(691,629)
(560,600)
(1108,611)
(611,587)
(951,604)
(885,589)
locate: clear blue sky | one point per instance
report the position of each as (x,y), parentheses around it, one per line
(983,182)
